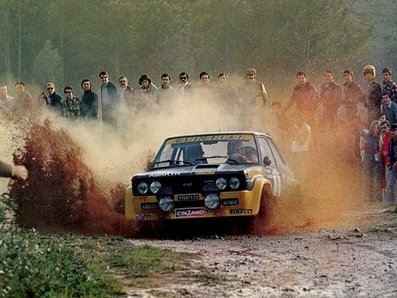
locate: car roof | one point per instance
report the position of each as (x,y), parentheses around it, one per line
(222,133)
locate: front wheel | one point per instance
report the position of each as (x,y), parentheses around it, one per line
(261,224)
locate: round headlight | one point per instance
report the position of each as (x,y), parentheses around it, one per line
(166,204)
(143,188)
(221,183)
(234,183)
(155,186)
(211,201)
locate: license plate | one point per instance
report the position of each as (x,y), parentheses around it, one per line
(188,197)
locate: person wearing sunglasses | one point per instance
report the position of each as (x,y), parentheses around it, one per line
(71,104)
(54,100)
(184,85)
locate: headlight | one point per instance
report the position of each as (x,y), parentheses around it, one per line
(166,204)
(221,183)
(155,186)
(143,188)
(211,201)
(234,183)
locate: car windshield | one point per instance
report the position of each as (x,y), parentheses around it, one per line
(207,149)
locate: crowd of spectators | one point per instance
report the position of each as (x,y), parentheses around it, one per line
(311,121)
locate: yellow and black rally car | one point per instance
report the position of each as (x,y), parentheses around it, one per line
(209,175)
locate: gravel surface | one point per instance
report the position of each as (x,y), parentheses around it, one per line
(346,261)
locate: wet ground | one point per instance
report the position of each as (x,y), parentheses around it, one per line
(346,261)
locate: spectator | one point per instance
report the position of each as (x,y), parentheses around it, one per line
(17,171)
(6,101)
(352,94)
(108,99)
(205,89)
(304,97)
(71,104)
(392,163)
(372,96)
(330,97)
(205,80)
(184,86)
(147,88)
(226,96)
(166,94)
(42,100)
(257,116)
(126,96)
(371,170)
(363,143)
(389,86)
(24,100)
(89,101)
(126,92)
(384,144)
(301,137)
(277,119)
(389,108)
(54,101)
(382,117)
(247,93)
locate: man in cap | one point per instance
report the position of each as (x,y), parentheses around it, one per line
(372,94)
(247,92)
(392,163)
(389,86)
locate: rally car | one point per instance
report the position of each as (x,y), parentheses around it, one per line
(210,175)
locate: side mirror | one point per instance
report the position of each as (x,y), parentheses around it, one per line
(267,161)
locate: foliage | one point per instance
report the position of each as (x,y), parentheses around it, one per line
(35,265)
(47,64)
(135,37)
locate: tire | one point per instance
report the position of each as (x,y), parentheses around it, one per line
(261,223)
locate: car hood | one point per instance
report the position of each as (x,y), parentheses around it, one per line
(195,170)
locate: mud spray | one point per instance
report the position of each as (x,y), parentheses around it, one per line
(61,194)
(68,189)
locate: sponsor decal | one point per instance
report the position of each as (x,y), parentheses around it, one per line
(204,172)
(142,216)
(190,212)
(164,174)
(188,197)
(241,211)
(210,138)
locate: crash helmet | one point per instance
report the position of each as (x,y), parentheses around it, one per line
(369,68)
(234,147)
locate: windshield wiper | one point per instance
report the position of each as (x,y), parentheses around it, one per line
(220,156)
(173,162)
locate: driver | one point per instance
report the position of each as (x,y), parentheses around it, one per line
(235,150)
(250,154)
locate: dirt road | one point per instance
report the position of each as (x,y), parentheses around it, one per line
(347,261)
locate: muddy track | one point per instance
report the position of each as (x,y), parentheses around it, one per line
(345,261)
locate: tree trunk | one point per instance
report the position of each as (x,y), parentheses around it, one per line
(6,43)
(19,44)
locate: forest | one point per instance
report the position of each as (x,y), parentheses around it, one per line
(66,41)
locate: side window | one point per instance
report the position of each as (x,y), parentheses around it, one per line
(265,149)
(278,159)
